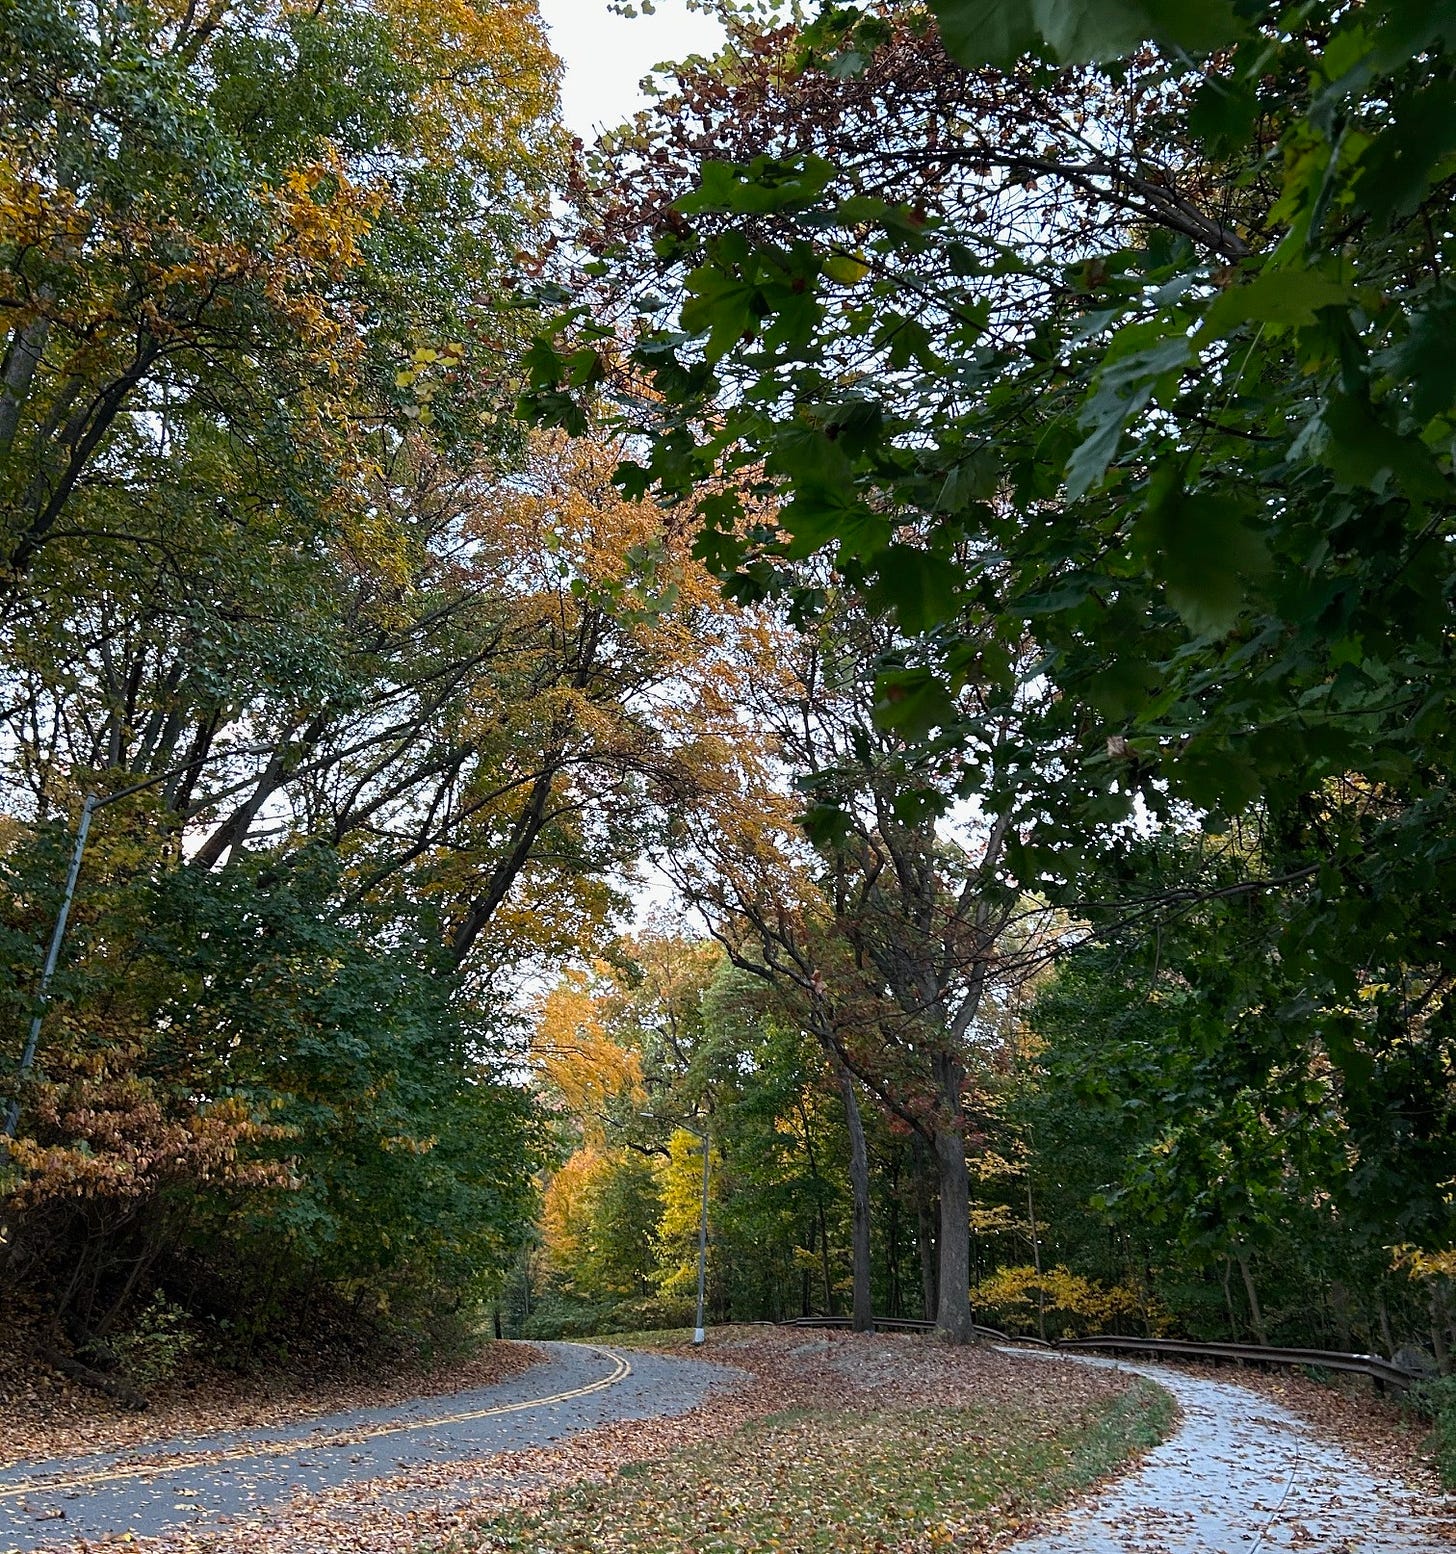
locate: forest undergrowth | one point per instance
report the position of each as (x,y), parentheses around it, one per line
(329,1365)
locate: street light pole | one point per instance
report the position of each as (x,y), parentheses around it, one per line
(699,1331)
(699,1334)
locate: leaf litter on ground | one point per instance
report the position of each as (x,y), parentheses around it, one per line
(44,1415)
(836,1442)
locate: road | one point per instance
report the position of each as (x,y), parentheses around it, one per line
(1239,1476)
(218,1478)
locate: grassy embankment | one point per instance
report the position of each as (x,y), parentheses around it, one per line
(865,1473)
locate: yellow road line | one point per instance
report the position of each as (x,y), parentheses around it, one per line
(182,1461)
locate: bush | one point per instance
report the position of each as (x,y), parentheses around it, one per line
(157,1342)
(1436,1400)
(1070,1305)
(559,1314)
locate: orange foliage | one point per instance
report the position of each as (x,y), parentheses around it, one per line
(575,1057)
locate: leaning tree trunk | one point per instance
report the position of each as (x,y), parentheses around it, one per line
(1256,1314)
(859,1181)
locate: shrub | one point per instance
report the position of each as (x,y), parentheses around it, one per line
(1071,1305)
(1436,1400)
(157,1342)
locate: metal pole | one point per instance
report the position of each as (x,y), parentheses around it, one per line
(27,1058)
(698,1333)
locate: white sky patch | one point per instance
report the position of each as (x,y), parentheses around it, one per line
(606,55)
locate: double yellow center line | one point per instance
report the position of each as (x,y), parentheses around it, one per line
(183,1461)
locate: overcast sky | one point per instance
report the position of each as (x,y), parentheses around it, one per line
(606,55)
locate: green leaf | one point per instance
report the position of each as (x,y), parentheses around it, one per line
(1426,359)
(823,515)
(1356,1065)
(921,586)
(973,478)
(1118,687)
(765,184)
(999,32)
(1200,545)
(1274,297)
(722,306)
(826,825)
(1223,114)
(1123,388)
(545,365)
(1410,154)
(986,32)
(585,367)
(912,702)
(845,269)
(1360,450)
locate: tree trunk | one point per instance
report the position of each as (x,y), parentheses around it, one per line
(953,1321)
(859,1181)
(819,1212)
(1228,1301)
(1340,1306)
(824,1263)
(1036,1260)
(22,357)
(1256,1315)
(1387,1335)
(811,1242)
(114,1387)
(925,1232)
(1439,1346)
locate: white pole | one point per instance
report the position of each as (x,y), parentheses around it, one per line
(27,1058)
(699,1334)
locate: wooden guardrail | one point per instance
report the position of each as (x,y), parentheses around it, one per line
(1381,1371)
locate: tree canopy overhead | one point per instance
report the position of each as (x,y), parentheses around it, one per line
(987,492)
(1099,348)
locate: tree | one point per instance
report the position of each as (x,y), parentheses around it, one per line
(223,235)
(267,1107)
(714,1047)
(382,677)
(602,1216)
(884,941)
(1186,1088)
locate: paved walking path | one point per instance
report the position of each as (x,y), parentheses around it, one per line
(193,1482)
(1241,1476)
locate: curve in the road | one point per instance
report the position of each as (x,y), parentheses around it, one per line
(1239,1474)
(176,1462)
(191,1482)
(1242,1474)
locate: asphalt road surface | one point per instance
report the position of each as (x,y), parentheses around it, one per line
(189,1483)
(1239,1476)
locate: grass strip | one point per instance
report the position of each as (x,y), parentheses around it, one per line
(870,1480)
